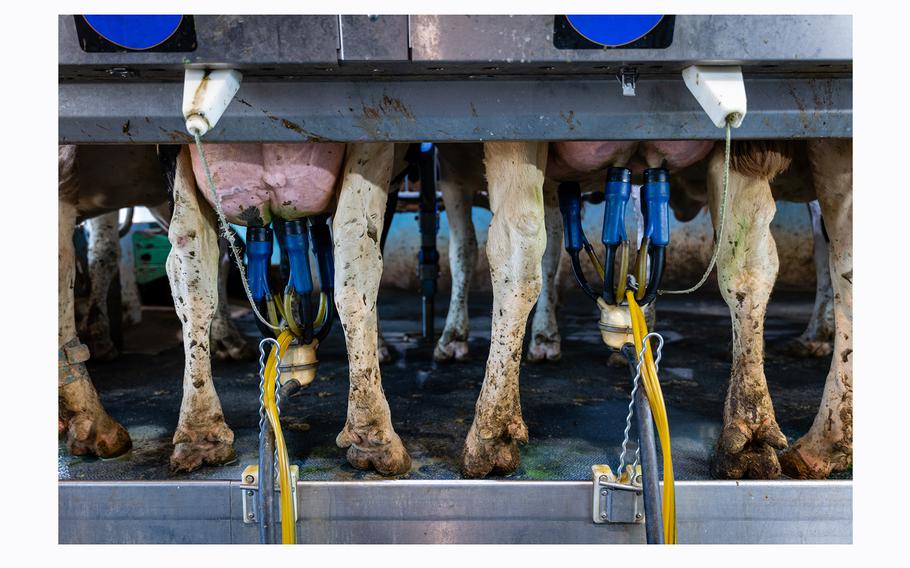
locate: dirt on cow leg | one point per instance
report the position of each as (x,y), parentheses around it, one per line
(458,197)
(89,430)
(368,433)
(828,446)
(545,342)
(746,269)
(816,340)
(515,246)
(202,436)
(103,264)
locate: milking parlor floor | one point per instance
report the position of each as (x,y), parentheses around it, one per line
(575,409)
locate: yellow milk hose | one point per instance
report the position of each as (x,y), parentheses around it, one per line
(659,411)
(288,525)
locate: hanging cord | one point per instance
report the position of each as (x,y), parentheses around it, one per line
(723,216)
(229,236)
(651,384)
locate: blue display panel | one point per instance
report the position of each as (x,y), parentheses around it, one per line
(613,30)
(134,32)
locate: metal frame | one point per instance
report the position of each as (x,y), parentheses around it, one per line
(459,78)
(466,110)
(451,512)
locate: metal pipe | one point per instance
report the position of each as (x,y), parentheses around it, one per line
(268,530)
(429,225)
(650,478)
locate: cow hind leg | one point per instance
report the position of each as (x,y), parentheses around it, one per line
(202,436)
(746,269)
(227,341)
(545,339)
(368,433)
(103,263)
(815,341)
(828,446)
(88,429)
(458,198)
(515,246)
(131,301)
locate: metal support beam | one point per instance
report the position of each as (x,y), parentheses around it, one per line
(451,512)
(453,110)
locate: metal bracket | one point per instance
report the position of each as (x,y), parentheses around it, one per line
(617,499)
(249,486)
(627,77)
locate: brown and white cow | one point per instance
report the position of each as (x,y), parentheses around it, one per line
(94,183)
(747,268)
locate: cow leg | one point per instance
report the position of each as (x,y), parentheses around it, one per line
(227,341)
(89,430)
(458,198)
(103,263)
(828,446)
(815,341)
(545,339)
(357,226)
(515,246)
(130,301)
(202,437)
(746,269)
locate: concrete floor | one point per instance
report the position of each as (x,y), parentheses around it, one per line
(575,410)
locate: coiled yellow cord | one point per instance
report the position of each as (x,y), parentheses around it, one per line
(659,411)
(288,525)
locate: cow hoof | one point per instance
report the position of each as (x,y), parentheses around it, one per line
(453,350)
(383,353)
(748,450)
(233,351)
(493,450)
(617,359)
(102,348)
(228,344)
(805,348)
(379,448)
(542,350)
(95,435)
(208,446)
(805,460)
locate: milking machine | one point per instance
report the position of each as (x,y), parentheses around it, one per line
(296,322)
(721,93)
(623,328)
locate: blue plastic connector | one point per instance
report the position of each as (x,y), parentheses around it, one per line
(616,195)
(258,255)
(655,208)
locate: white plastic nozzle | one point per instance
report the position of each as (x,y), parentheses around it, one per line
(719,90)
(206,94)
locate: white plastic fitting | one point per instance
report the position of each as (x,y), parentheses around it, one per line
(206,95)
(719,90)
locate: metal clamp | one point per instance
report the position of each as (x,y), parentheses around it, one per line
(617,499)
(249,486)
(627,77)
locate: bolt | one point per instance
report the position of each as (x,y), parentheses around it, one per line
(603,515)
(249,479)
(637,516)
(604,492)
(250,492)
(250,516)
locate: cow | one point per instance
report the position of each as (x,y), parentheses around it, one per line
(747,268)
(94,183)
